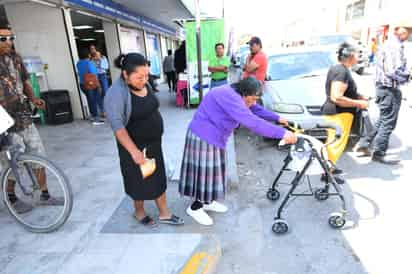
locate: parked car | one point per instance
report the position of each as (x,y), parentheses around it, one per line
(332,42)
(295,85)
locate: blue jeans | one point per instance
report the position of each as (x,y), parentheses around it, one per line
(371,58)
(104,83)
(217,83)
(94,100)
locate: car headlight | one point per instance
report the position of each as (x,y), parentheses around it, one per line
(288,108)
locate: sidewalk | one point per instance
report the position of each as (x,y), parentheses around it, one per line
(88,155)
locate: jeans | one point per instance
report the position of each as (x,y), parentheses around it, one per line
(104,83)
(371,58)
(214,83)
(94,101)
(389,102)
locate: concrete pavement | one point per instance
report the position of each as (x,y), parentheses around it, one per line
(88,155)
(102,237)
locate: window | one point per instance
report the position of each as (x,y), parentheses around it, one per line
(355,10)
(348,15)
(358,9)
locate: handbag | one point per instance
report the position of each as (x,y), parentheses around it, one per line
(90,81)
(149,167)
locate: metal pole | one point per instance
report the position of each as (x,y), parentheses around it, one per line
(199,51)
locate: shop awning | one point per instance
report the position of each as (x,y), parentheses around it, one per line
(163,11)
(157,15)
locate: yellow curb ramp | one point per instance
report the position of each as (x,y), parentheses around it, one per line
(204,258)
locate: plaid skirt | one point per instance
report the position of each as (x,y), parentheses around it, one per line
(203,172)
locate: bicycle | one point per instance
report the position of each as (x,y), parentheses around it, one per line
(22,172)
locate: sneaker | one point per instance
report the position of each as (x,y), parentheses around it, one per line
(97,122)
(216,207)
(340,180)
(200,216)
(22,207)
(52,201)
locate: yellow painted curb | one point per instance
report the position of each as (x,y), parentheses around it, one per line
(204,259)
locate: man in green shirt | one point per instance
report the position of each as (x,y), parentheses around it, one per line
(219,66)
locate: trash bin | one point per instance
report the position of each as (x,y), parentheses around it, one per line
(58,107)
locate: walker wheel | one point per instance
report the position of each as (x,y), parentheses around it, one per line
(321,194)
(336,220)
(273,194)
(280,226)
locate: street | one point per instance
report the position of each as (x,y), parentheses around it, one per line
(375,238)
(101,236)
(87,87)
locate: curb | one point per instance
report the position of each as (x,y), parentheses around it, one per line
(233,177)
(204,258)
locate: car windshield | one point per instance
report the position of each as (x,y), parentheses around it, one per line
(298,65)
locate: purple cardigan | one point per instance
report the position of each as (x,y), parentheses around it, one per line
(223,109)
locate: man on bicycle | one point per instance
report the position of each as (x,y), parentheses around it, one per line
(15,95)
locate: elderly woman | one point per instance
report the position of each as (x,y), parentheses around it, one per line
(203,173)
(133,112)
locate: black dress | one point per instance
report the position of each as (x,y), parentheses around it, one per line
(145,128)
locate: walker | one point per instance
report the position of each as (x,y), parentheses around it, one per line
(309,156)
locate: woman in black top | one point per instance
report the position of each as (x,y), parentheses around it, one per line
(342,94)
(141,127)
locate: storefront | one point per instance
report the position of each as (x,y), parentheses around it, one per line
(55,31)
(154,53)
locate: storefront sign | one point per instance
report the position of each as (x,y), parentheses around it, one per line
(110,8)
(131,40)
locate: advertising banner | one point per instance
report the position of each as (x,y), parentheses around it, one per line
(212,32)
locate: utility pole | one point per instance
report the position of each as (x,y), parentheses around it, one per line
(199,50)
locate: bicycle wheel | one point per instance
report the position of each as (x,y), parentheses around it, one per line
(33,211)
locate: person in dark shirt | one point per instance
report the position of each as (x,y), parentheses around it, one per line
(342,95)
(180,58)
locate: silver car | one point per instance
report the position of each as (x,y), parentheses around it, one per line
(295,85)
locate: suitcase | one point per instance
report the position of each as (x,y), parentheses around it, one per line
(58,107)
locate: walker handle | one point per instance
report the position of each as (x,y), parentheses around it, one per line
(300,144)
(293,126)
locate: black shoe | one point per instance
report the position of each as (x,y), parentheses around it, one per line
(337,171)
(339,180)
(384,159)
(363,152)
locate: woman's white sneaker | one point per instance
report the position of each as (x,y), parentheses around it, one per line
(216,207)
(200,216)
